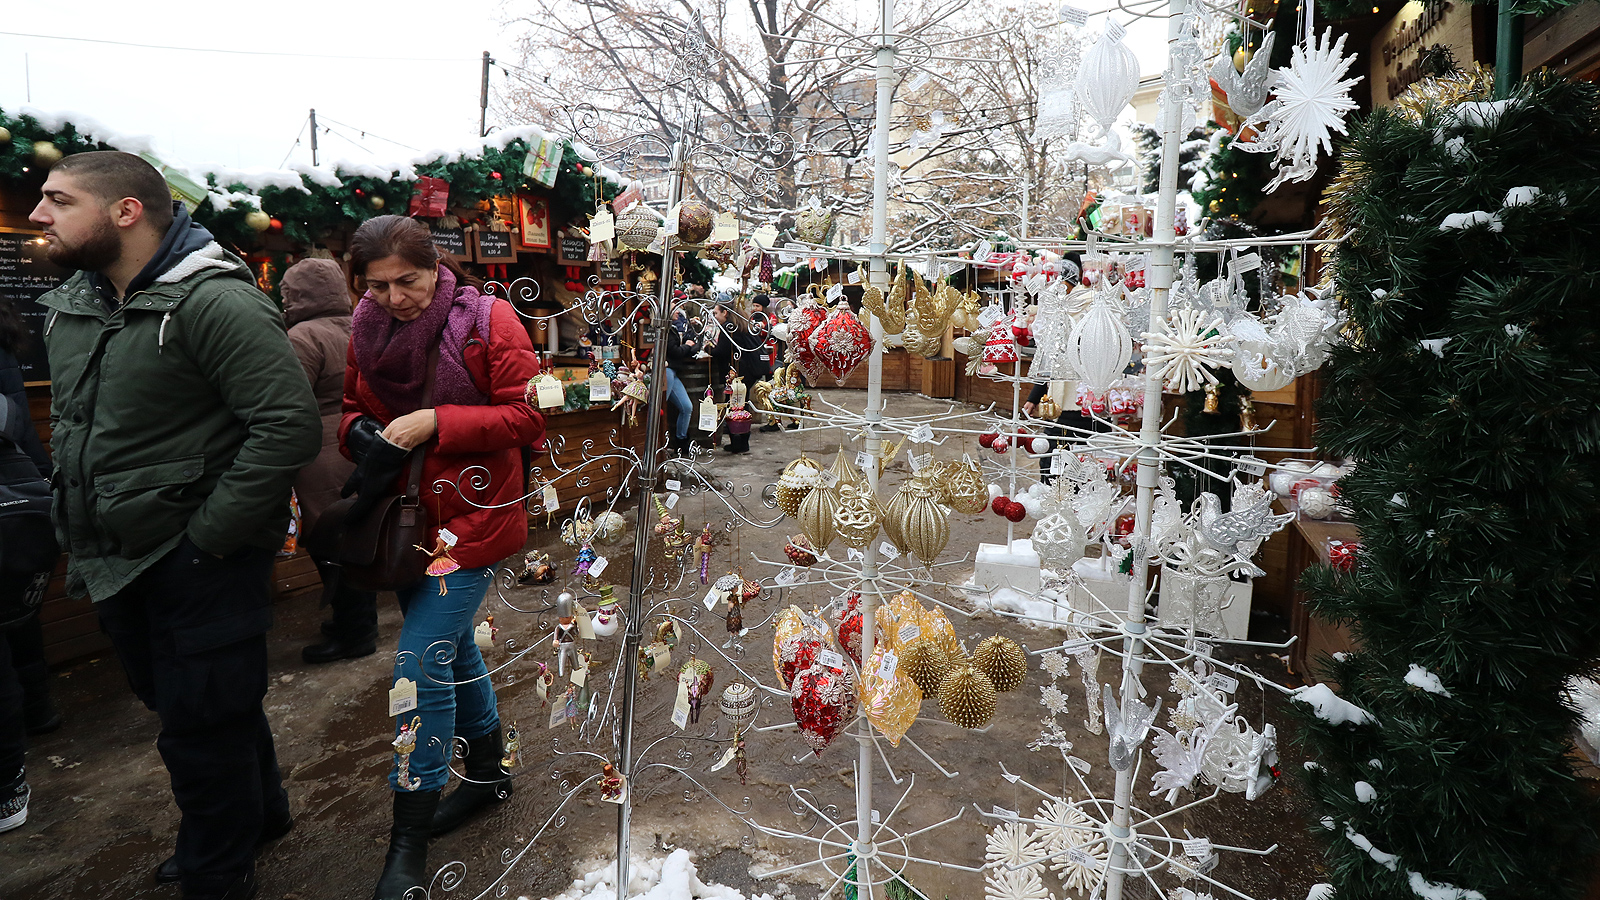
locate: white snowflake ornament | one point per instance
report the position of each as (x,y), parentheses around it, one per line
(1065,830)
(1185,349)
(1015,884)
(1012,844)
(1311,102)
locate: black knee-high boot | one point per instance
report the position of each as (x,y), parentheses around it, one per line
(406,866)
(486,784)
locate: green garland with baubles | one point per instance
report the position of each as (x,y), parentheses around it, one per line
(28,149)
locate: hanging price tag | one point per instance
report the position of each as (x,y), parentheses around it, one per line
(1058,463)
(854,554)
(1206,865)
(1225,683)
(727,757)
(448,537)
(483,636)
(726,229)
(1114,30)
(402,697)
(863,460)
(1253,465)
(918,463)
(786,577)
(831,659)
(598,567)
(1074,16)
(909,633)
(680,709)
(708,415)
(887,665)
(1079,764)
(674,484)
(765,236)
(672,220)
(1245,262)
(1199,847)
(854,277)
(888,551)
(1078,857)
(548,498)
(834,293)
(602,227)
(1076,645)
(599,388)
(671,501)
(922,434)
(579,677)
(548,392)
(585,624)
(1004,813)
(558,712)
(712,596)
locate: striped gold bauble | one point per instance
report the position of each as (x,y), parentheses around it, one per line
(967,697)
(1002,660)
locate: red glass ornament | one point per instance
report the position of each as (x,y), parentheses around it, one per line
(841,343)
(1000,505)
(824,702)
(1016,512)
(987,440)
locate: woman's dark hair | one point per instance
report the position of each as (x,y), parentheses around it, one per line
(386,236)
(13,333)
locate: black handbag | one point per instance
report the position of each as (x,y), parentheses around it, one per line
(28,548)
(383,550)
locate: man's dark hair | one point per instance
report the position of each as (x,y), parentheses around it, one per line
(111,175)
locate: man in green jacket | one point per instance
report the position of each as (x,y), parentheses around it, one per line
(180,418)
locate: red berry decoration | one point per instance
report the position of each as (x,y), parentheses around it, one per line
(999,505)
(495,175)
(275,226)
(987,440)
(1016,512)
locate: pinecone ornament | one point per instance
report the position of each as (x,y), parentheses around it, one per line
(924,663)
(967,697)
(1002,660)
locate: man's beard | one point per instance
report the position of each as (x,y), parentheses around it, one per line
(95,253)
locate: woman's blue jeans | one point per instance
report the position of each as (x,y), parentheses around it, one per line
(678,400)
(437,652)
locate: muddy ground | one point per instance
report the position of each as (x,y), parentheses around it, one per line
(102,817)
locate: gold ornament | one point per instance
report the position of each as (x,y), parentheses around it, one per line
(257,220)
(961,487)
(1003,661)
(798,480)
(925,664)
(937,628)
(695,221)
(922,523)
(891,703)
(46,154)
(5,135)
(1213,404)
(967,697)
(894,306)
(817,507)
(376,202)
(812,225)
(856,517)
(1048,408)
(789,624)
(636,227)
(901,610)
(894,512)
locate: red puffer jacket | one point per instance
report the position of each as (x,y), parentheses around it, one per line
(484,442)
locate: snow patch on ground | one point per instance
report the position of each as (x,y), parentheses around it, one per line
(671,878)
(1418,677)
(1330,707)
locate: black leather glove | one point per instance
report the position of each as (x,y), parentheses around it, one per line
(363,433)
(375,474)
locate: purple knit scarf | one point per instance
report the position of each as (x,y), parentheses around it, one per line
(393,355)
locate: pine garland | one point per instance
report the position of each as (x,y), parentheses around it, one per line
(1232,181)
(1477,495)
(317,211)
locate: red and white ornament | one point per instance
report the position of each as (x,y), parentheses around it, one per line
(1001,347)
(824,702)
(841,343)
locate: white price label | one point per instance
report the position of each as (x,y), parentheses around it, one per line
(680,709)
(1206,865)
(402,697)
(922,434)
(671,501)
(875,817)
(579,677)
(1005,813)
(888,664)
(599,388)
(548,499)
(1078,857)
(786,577)
(855,277)
(727,757)
(909,633)
(674,485)
(1074,16)
(548,392)
(854,554)
(1225,683)
(712,596)
(558,711)
(831,659)
(834,293)
(585,624)
(888,551)
(1199,847)
(708,416)
(1079,764)
(483,636)
(448,537)
(1245,262)
(1076,645)
(863,460)
(598,567)
(1058,463)
(1115,30)
(765,235)
(602,227)
(918,463)
(672,220)
(726,229)
(1253,465)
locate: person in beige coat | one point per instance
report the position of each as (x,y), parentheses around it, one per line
(316,307)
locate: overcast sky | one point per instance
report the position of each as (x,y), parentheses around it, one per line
(245,111)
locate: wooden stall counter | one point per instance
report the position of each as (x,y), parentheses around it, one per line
(1317,637)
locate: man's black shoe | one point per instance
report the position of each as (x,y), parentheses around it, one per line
(334,649)
(168,872)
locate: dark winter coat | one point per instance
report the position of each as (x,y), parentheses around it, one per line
(180,411)
(16,422)
(475,445)
(316,307)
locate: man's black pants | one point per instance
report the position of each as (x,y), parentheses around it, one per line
(191,634)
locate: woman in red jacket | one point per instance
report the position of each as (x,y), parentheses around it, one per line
(471,434)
